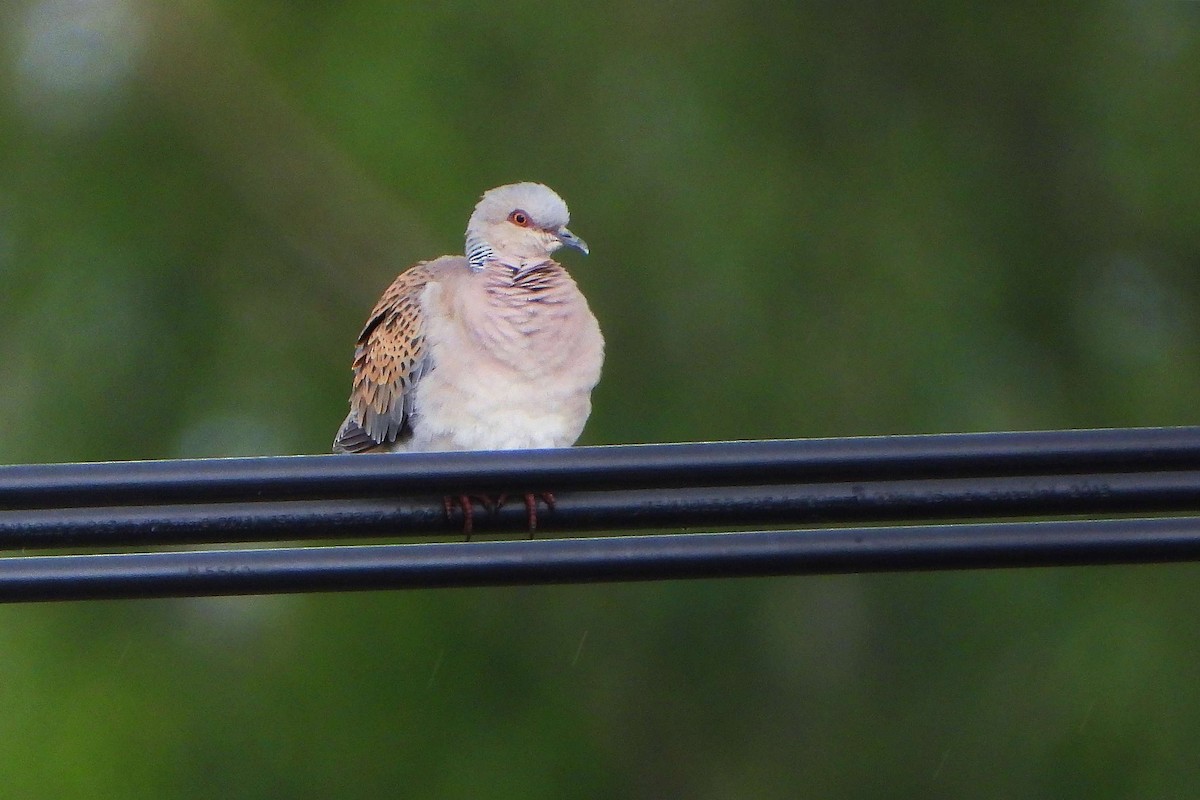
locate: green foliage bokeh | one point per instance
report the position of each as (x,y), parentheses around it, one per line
(805,220)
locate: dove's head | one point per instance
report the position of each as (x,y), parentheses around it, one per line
(520,221)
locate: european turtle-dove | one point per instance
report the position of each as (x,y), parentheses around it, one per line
(492,351)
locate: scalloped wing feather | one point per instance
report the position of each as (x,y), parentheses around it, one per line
(389,359)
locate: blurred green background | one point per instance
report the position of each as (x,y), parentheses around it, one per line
(806,220)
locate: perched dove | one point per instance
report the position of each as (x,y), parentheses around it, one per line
(492,351)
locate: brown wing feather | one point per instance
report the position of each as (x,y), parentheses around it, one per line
(388,361)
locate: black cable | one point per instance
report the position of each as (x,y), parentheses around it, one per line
(559,561)
(706,508)
(599,468)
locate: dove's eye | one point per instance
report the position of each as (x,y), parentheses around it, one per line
(519,217)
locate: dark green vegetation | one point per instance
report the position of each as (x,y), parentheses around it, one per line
(809,221)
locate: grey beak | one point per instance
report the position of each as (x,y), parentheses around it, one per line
(571,240)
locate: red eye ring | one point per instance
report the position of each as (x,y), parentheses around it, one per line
(519,217)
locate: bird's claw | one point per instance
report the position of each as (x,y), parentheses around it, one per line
(466,504)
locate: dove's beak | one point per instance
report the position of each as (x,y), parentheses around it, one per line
(571,240)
